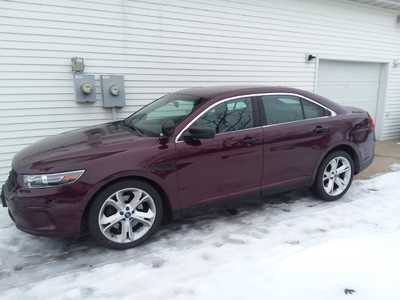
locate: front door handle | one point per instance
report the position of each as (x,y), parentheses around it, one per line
(248,140)
(320,130)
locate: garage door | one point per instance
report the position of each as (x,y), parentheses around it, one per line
(350,83)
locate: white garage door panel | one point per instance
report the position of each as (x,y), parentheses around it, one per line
(350,83)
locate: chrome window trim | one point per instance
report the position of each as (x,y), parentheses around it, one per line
(333,113)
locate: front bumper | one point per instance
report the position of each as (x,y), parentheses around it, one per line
(55,211)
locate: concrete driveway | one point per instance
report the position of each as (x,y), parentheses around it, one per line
(387,153)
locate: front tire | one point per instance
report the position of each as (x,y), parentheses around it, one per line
(125,214)
(334,177)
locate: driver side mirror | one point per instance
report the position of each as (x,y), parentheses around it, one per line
(167,127)
(197,133)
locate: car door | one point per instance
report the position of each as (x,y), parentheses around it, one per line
(228,164)
(295,136)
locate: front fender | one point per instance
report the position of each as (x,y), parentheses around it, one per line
(166,185)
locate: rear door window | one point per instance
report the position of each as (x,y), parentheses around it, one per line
(282,109)
(286,108)
(312,110)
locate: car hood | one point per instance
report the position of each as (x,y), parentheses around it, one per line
(71,149)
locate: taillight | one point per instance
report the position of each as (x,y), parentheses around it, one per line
(371,121)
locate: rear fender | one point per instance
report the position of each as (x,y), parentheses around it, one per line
(345,146)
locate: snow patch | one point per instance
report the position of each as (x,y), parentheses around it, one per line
(291,247)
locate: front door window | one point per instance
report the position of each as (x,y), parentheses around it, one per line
(228,116)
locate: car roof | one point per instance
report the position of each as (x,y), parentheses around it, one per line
(230,90)
(212,93)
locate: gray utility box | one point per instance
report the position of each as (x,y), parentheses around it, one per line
(113,90)
(85,88)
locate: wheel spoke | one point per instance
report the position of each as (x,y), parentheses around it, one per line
(131,235)
(330,186)
(124,230)
(104,220)
(142,217)
(334,164)
(114,203)
(110,220)
(147,215)
(340,182)
(343,169)
(325,176)
(120,201)
(139,199)
(110,202)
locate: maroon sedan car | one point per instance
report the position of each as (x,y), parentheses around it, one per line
(119,180)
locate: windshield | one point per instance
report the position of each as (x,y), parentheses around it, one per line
(171,108)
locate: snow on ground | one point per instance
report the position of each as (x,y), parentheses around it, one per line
(292,247)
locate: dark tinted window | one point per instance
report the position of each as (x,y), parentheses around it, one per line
(285,108)
(228,116)
(312,110)
(282,108)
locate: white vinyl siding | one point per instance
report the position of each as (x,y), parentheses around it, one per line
(161,46)
(350,83)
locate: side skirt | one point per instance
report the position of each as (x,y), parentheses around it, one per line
(241,200)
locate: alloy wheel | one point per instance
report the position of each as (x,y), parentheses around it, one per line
(127,215)
(337,176)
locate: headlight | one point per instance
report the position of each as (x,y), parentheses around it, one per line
(49,180)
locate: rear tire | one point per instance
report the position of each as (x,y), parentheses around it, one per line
(334,177)
(125,214)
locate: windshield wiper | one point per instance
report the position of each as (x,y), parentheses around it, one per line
(138,130)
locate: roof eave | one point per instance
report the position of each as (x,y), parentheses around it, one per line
(389,4)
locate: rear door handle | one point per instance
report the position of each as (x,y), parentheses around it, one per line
(248,140)
(320,130)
